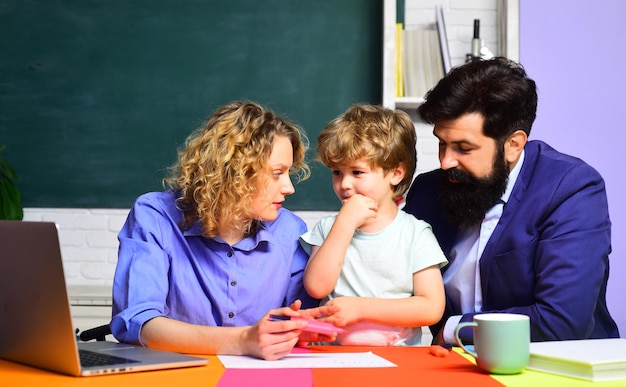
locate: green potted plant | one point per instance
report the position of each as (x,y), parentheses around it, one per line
(10,198)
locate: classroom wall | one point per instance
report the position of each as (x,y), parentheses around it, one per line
(577,61)
(88,236)
(573,68)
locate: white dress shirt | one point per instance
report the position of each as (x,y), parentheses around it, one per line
(462,278)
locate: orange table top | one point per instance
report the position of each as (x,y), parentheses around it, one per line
(415,366)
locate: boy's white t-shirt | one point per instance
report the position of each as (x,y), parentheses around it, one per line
(381,265)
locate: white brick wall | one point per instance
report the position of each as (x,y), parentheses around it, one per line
(88,239)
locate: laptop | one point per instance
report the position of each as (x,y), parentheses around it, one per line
(35,319)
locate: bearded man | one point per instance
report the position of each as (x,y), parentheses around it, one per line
(525,228)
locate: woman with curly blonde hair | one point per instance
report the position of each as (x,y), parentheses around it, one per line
(219,161)
(202,264)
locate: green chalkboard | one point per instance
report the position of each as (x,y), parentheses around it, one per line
(96,96)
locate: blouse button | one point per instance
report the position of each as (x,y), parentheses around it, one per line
(233,283)
(229,254)
(231,315)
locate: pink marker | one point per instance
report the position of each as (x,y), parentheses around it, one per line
(313,325)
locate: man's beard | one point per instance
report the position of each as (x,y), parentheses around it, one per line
(466,201)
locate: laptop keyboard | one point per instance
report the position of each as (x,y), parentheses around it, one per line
(91,359)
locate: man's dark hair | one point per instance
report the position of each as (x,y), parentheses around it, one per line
(498,89)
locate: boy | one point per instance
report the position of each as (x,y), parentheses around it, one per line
(381,266)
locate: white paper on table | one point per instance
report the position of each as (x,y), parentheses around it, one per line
(310,360)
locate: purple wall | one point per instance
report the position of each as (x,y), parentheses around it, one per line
(574,51)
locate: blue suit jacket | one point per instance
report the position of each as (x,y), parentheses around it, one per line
(548,257)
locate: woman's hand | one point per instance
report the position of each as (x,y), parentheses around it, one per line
(272,340)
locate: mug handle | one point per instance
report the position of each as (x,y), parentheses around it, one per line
(458,328)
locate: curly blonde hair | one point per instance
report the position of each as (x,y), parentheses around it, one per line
(385,138)
(218,167)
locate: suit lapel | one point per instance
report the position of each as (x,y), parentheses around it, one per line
(510,208)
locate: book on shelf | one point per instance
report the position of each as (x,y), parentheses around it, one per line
(443,39)
(423,62)
(415,78)
(400,60)
(436,61)
(593,359)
